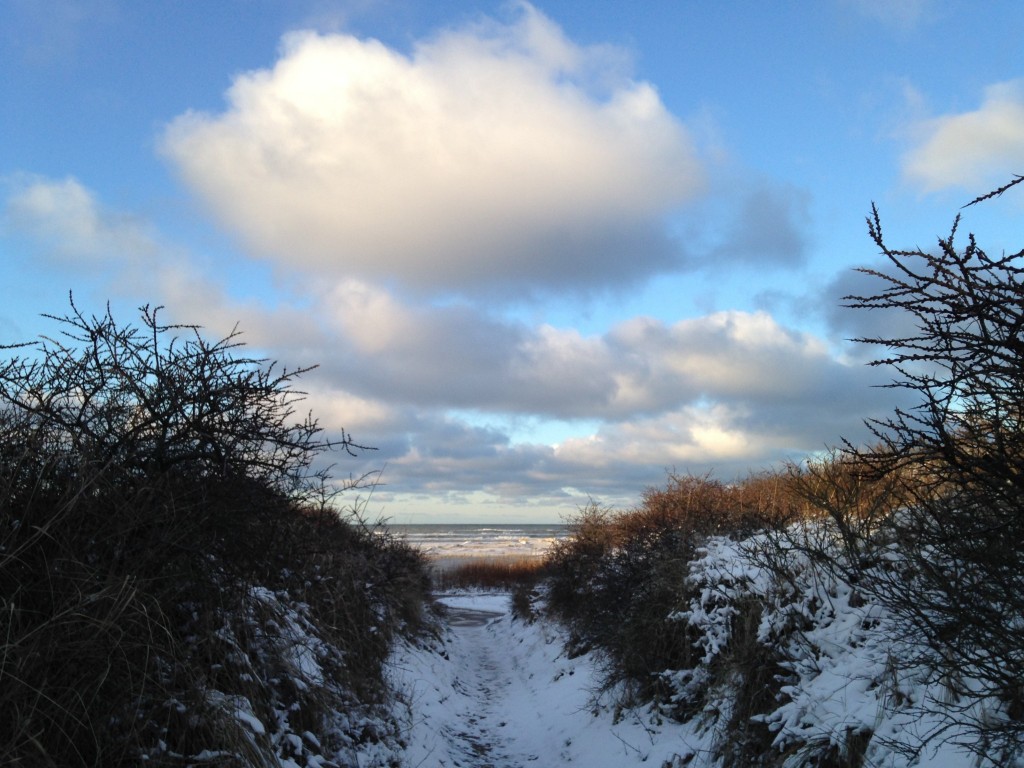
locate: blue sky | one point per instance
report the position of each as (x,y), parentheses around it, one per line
(541,253)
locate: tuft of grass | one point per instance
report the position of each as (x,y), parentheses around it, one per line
(497,573)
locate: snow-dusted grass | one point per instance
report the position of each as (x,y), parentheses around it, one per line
(276,694)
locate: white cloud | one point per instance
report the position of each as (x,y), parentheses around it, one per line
(900,14)
(725,356)
(69,227)
(457,357)
(971,149)
(501,157)
(692,436)
(104,255)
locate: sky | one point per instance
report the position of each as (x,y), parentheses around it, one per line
(542,254)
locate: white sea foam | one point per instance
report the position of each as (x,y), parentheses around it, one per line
(464,541)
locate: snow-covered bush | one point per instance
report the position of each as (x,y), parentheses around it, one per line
(770,628)
(954,462)
(617,577)
(782,654)
(802,668)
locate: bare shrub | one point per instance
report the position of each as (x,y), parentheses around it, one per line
(941,543)
(574,560)
(160,514)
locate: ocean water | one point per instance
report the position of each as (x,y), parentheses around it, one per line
(466,541)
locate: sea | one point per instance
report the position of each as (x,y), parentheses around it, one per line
(467,541)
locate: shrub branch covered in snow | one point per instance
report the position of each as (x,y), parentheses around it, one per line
(781,660)
(617,577)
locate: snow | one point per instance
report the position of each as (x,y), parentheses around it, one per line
(839,650)
(493,691)
(486,689)
(501,692)
(244,716)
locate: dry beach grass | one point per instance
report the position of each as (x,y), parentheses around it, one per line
(506,572)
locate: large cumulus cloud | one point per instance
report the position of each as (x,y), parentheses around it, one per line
(499,157)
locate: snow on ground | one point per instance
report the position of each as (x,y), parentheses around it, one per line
(497,692)
(493,691)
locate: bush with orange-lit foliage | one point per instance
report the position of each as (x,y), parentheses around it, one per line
(618,575)
(926,525)
(491,573)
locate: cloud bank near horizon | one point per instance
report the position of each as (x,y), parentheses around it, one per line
(729,389)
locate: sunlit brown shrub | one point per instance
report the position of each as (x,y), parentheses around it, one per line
(619,575)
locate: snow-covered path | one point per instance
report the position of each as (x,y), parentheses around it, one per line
(492,691)
(481,729)
(500,693)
